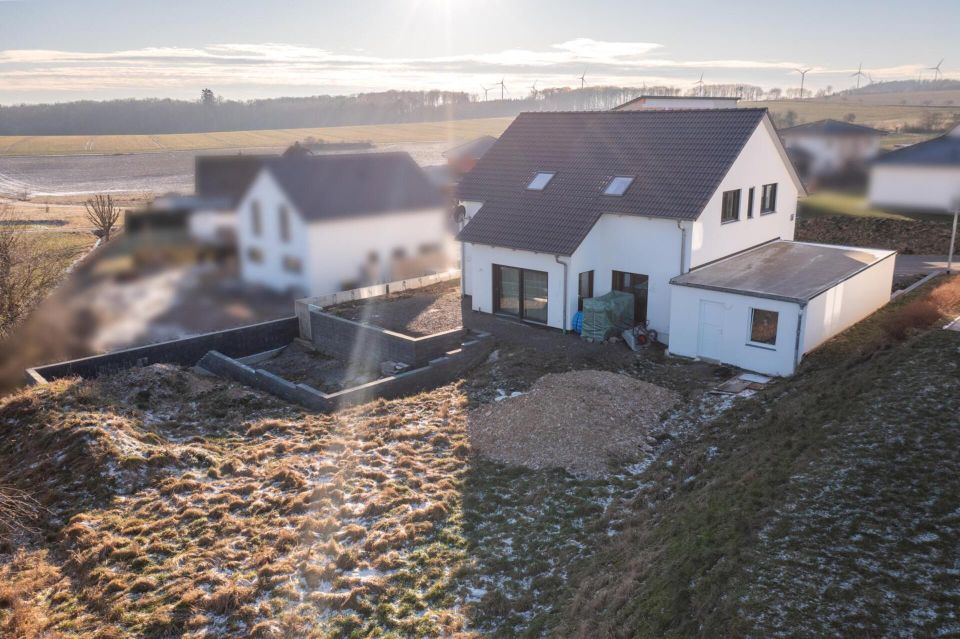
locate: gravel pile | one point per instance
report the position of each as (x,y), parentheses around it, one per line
(577,421)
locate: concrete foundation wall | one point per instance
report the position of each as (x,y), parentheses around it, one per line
(356,342)
(236,342)
(436,373)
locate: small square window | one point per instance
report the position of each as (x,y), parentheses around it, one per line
(618,186)
(540,181)
(763,326)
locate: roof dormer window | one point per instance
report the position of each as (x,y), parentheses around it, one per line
(618,185)
(540,181)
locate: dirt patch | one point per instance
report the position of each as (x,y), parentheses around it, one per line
(419,312)
(907,237)
(578,421)
(301,365)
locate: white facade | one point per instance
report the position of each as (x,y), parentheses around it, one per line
(332,253)
(655,247)
(921,188)
(830,154)
(715,325)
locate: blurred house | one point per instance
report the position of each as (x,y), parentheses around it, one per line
(831,150)
(648,102)
(320,224)
(220,181)
(461,159)
(920,177)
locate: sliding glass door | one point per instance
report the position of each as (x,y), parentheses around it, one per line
(520,292)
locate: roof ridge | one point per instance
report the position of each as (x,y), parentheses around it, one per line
(647,111)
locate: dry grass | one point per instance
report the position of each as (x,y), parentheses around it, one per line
(453,131)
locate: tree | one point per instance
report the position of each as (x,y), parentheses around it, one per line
(28,269)
(103,214)
(207,97)
(850,117)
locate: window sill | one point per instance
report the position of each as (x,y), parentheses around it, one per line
(722,222)
(765,347)
(768,212)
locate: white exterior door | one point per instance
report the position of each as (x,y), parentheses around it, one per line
(711,330)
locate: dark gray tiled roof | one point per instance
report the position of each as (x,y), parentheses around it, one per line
(832,127)
(788,271)
(941,151)
(677,159)
(227,177)
(331,186)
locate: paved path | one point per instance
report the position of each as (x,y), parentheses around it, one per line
(922,264)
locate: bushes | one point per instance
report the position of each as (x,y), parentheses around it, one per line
(924,312)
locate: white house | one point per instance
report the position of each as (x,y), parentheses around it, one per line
(571,205)
(320,224)
(831,147)
(920,177)
(646,102)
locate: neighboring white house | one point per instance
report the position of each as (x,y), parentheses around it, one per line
(571,205)
(920,177)
(763,310)
(647,102)
(831,147)
(320,224)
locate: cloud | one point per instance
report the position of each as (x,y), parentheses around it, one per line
(249,66)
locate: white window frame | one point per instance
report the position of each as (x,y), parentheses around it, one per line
(763,345)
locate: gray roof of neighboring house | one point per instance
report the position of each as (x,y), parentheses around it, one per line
(832,127)
(343,185)
(227,177)
(940,151)
(644,98)
(676,157)
(781,270)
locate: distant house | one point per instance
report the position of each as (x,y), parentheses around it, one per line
(320,224)
(219,183)
(647,102)
(461,159)
(568,206)
(831,148)
(920,177)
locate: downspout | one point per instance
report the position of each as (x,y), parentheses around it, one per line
(565,278)
(796,348)
(683,244)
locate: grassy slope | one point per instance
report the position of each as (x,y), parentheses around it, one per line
(828,507)
(452,131)
(886,115)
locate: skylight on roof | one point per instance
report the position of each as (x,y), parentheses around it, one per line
(540,181)
(618,185)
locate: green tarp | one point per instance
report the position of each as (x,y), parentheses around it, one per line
(607,315)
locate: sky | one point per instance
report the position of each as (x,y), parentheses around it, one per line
(61,50)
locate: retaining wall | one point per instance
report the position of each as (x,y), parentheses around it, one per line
(349,340)
(437,372)
(235,342)
(303,306)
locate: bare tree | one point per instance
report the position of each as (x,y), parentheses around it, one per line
(28,270)
(103,214)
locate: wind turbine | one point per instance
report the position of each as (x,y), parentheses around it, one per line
(485,92)
(502,86)
(700,83)
(803,77)
(859,74)
(583,78)
(937,73)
